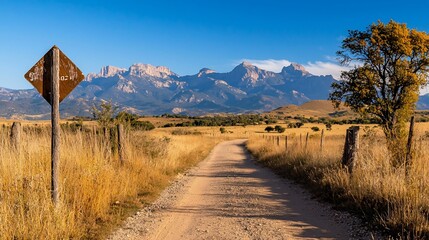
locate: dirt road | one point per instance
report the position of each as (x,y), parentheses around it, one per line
(228,196)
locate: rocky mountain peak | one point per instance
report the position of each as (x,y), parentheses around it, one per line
(141,70)
(205,71)
(247,74)
(105,72)
(109,71)
(247,64)
(245,67)
(295,69)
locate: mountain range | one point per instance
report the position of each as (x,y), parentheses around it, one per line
(153,90)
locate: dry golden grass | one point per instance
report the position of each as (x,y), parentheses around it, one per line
(377,190)
(95,189)
(315,109)
(97,192)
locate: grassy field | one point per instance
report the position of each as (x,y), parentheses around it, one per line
(97,192)
(376,190)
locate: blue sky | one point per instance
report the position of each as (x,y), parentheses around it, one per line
(188,35)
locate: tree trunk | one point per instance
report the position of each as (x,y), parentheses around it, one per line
(396,144)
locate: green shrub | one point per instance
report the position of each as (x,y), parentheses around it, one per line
(269,129)
(279,129)
(142,125)
(222,130)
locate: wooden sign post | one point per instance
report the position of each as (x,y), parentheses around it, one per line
(55,122)
(54,76)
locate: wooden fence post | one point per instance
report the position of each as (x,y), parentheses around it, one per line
(351,148)
(3,132)
(106,132)
(306,141)
(408,157)
(321,139)
(94,138)
(286,142)
(278,140)
(121,143)
(300,140)
(15,135)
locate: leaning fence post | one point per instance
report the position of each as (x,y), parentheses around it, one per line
(121,143)
(15,135)
(321,139)
(351,148)
(408,157)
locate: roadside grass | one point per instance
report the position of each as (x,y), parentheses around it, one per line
(97,192)
(375,190)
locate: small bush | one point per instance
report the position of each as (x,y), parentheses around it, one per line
(270,121)
(269,129)
(142,125)
(279,129)
(222,130)
(328,126)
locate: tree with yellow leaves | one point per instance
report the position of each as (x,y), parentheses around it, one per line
(391,65)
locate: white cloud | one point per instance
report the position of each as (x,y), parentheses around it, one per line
(326,68)
(316,68)
(269,64)
(424,90)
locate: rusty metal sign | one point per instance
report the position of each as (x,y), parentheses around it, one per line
(40,75)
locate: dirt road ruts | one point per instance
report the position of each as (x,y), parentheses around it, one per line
(228,196)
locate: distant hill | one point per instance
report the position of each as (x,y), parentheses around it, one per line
(325,109)
(315,109)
